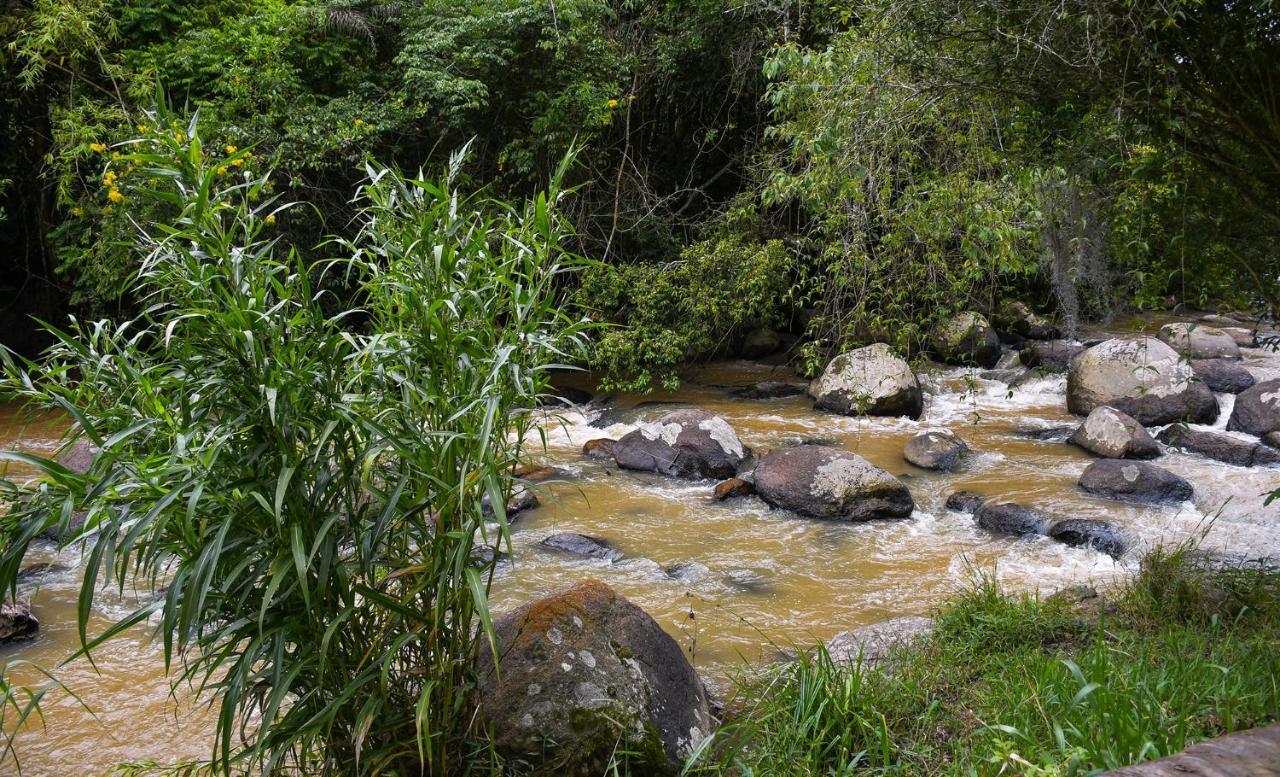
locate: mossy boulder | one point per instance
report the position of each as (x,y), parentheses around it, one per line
(966,338)
(1198,341)
(584,674)
(1142,377)
(1018,319)
(869,381)
(937,449)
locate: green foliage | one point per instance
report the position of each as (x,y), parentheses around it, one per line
(684,311)
(302,493)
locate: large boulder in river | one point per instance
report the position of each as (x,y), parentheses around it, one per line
(1112,434)
(1257,409)
(1134,481)
(938,449)
(1222,447)
(1197,341)
(17,622)
(1049,356)
(869,381)
(1017,318)
(1142,377)
(1008,518)
(1223,375)
(684,444)
(583,674)
(824,482)
(966,338)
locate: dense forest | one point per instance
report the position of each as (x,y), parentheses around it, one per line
(304,301)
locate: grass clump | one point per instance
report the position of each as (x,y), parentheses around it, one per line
(1006,684)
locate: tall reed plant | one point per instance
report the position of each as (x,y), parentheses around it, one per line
(302,489)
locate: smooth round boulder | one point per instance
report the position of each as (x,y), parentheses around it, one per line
(938,449)
(17,622)
(1257,409)
(599,448)
(964,501)
(1223,375)
(1085,533)
(967,339)
(1017,318)
(869,381)
(1221,447)
(1134,481)
(1109,433)
(1198,341)
(823,482)
(1008,518)
(1141,377)
(583,674)
(689,444)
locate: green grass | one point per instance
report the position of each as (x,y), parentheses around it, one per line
(1016,685)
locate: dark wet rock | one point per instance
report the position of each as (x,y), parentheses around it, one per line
(733,488)
(582,545)
(484,556)
(585,673)
(1142,377)
(760,343)
(627,415)
(1222,447)
(1271,440)
(688,571)
(940,449)
(869,381)
(1257,409)
(965,501)
(1134,481)
(599,448)
(1084,533)
(1008,518)
(822,482)
(966,338)
(1002,375)
(748,580)
(536,473)
(522,498)
(565,396)
(1198,341)
(685,444)
(1112,434)
(1052,355)
(876,643)
(1057,433)
(1017,318)
(17,622)
(1223,375)
(770,389)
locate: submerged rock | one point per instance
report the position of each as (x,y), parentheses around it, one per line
(1134,481)
(770,389)
(966,338)
(875,643)
(869,381)
(733,488)
(1223,375)
(1008,518)
(17,622)
(599,448)
(1053,355)
(583,674)
(1142,377)
(1222,447)
(685,444)
(937,450)
(823,482)
(1198,341)
(1084,533)
(1112,434)
(1257,409)
(965,501)
(581,545)
(1017,318)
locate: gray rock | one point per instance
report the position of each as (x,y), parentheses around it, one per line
(939,450)
(1242,336)
(1271,440)
(869,381)
(688,571)
(1134,481)
(17,622)
(965,501)
(876,643)
(585,673)
(770,389)
(1017,318)
(1142,377)
(966,338)
(1112,434)
(581,545)
(823,482)
(1257,409)
(522,498)
(1223,375)
(1053,355)
(1008,518)
(685,444)
(760,343)
(1084,533)
(1198,341)
(1222,447)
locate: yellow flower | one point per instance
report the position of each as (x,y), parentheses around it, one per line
(222,170)
(77,212)
(115,196)
(142,128)
(181,137)
(232,149)
(238,161)
(248,153)
(359,122)
(631,98)
(270,219)
(98,148)
(109,179)
(613,103)
(115,154)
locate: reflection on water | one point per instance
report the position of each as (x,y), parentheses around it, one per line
(729,580)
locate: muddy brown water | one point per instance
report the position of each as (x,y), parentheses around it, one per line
(731,582)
